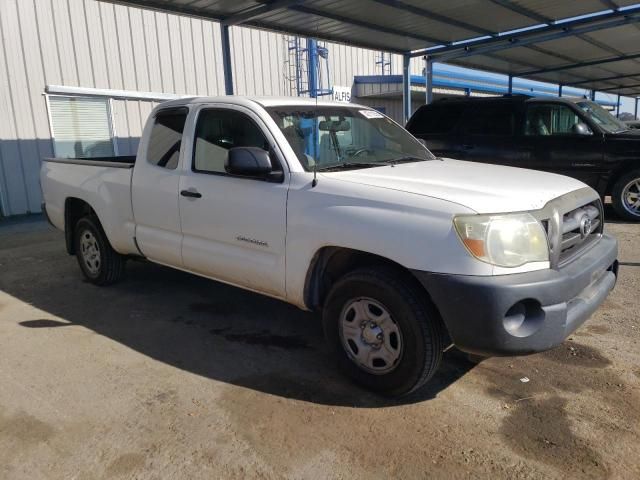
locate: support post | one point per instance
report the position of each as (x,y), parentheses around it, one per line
(428,74)
(618,107)
(593,95)
(406,87)
(560,90)
(312,57)
(636,110)
(510,85)
(226,60)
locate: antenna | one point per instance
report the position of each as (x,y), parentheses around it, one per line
(315,174)
(314,92)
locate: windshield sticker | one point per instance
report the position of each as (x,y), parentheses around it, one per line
(371,114)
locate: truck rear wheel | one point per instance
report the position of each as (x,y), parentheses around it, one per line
(384,332)
(625,196)
(99,262)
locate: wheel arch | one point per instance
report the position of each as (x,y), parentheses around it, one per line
(75,209)
(330,263)
(626,167)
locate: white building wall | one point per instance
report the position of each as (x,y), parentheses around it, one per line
(87,43)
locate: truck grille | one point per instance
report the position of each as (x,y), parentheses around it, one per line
(580,228)
(572,225)
(573,222)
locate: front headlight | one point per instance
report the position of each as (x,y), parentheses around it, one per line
(509,240)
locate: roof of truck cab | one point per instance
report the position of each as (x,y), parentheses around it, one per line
(507,98)
(251,101)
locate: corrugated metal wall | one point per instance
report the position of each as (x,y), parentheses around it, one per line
(86,43)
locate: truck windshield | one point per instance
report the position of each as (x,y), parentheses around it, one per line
(601,117)
(346,137)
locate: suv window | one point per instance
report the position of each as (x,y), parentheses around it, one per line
(219,130)
(490,119)
(166,137)
(435,118)
(550,119)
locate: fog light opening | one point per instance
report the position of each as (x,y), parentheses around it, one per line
(524,318)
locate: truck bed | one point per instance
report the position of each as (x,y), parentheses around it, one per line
(121,161)
(104,183)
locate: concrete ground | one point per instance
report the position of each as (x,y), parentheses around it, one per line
(167,375)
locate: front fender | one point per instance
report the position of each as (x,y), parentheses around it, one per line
(411,230)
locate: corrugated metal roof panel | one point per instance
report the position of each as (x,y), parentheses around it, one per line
(413,25)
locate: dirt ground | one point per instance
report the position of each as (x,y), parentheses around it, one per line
(167,375)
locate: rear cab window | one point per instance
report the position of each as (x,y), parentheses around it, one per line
(166,138)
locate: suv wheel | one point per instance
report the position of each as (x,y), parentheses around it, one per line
(626,196)
(99,262)
(384,332)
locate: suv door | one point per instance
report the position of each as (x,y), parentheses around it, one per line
(488,134)
(233,227)
(552,137)
(156,179)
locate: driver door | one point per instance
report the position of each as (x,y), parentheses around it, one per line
(553,145)
(233,227)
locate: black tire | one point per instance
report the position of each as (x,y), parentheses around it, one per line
(617,196)
(108,266)
(413,314)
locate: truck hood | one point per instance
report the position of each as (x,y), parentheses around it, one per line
(481,187)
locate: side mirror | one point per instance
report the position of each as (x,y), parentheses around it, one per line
(581,129)
(248,162)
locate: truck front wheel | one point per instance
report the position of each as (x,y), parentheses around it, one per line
(384,332)
(99,262)
(625,196)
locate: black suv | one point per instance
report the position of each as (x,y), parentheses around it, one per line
(570,136)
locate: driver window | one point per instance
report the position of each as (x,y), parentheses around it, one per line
(549,119)
(217,131)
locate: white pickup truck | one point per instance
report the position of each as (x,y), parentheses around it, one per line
(335,207)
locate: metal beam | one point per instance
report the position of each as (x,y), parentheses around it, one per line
(619,87)
(162,6)
(362,24)
(226,60)
(533,37)
(560,90)
(568,27)
(406,87)
(525,12)
(603,79)
(636,110)
(431,15)
(510,85)
(581,64)
(618,106)
(593,95)
(312,62)
(428,71)
(610,4)
(258,10)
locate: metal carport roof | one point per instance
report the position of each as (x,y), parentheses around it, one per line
(594,44)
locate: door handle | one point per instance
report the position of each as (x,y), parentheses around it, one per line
(468,146)
(190,194)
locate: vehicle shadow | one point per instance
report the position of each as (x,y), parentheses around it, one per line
(206,328)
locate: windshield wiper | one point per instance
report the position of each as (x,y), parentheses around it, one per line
(405,159)
(349,165)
